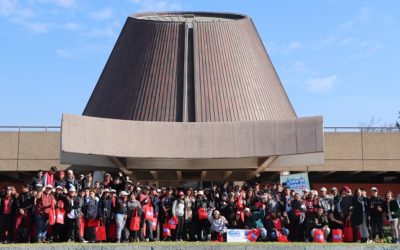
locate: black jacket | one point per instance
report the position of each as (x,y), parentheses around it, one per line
(25,202)
(360,207)
(120,207)
(75,204)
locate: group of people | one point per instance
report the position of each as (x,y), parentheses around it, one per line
(57,207)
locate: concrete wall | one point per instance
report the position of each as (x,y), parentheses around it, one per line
(368,151)
(28,151)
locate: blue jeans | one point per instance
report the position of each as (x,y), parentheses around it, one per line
(263,233)
(120,221)
(149,229)
(42,221)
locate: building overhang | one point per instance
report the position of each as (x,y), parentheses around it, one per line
(252,146)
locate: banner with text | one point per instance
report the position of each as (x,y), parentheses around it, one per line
(297,182)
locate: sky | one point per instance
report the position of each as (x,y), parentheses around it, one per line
(335,58)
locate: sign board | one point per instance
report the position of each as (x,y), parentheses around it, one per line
(297,182)
(237,235)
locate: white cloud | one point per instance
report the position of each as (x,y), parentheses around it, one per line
(283,49)
(364,15)
(301,67)
(66,3)
(37,27)
(324,84)
(97,32)
(68,54)
(334,41)
(71,26)
(158,5)
(104,14)
(294,45)
(13,10)
(366,49)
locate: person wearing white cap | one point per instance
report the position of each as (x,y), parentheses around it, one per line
(202,226)
(43,205)
(105,207)
(91,213)
(218,224)
(376,207)
(253,220)
(120,213)
(59,229)
(73,214)
(70,180)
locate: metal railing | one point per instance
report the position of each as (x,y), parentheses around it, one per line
(326,129)
(30,128)
(361,129)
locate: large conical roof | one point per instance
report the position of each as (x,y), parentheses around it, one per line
(194,67)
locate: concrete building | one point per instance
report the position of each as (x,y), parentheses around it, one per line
(194,96)
(352,156)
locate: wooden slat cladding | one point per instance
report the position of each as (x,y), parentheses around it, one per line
(235,77)
(143,77)
(231,76)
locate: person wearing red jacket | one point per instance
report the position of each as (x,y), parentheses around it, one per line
(44,201)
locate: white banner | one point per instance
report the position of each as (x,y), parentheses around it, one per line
(297,182)
(237,235)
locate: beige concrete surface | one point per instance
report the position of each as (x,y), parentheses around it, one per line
(344,151)
(139,141)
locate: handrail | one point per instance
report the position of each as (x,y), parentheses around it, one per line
(28,128)
(361,129)
(326,129)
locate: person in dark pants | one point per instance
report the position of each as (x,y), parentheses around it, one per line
(24,207)
(8,208)
(376,209)
(202,227)
(58,228)
(73,215)
(359,216)
(105,207)
(91,213)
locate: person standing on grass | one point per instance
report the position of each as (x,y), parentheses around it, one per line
(105,209)
(8,208)
(73,215)
(134,210)
(120,213)
(178,210)
(24,209)
(392,215)
(359,216)
(91,208)
(376,209)
(189,229)
(44,201)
